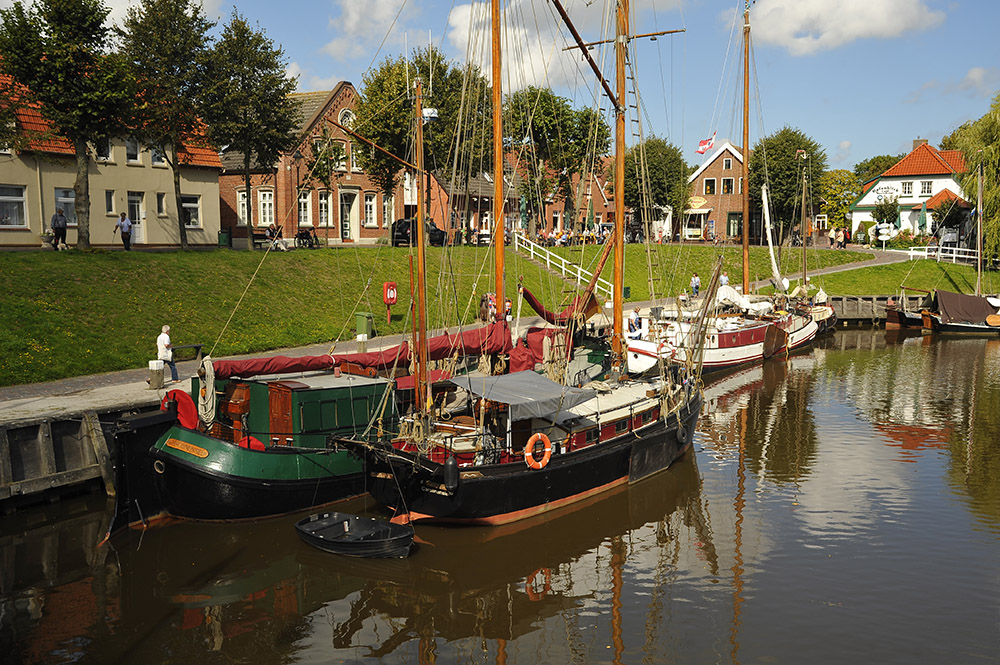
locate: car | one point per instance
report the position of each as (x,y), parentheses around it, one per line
(402,233)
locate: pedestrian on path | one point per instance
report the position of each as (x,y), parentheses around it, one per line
(695,285)
(58,224)
(165,352)
(833,236)
(125,225)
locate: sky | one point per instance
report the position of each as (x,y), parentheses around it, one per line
(860,77)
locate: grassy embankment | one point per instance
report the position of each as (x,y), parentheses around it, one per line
(70,314)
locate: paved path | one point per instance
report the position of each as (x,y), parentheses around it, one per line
(127,389)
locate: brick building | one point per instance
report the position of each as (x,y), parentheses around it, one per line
(715,206)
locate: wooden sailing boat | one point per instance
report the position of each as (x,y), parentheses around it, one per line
(510,446)
(745,334)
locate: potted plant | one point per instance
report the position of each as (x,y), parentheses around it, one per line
(46,237)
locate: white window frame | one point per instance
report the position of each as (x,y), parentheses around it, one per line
(156,157)
(556,221)
(305,208)
(354,163)
(133,154)
(109,202)
(732,186)
(342,164)
(11,199)
(241,207)
(265,208)
(727,163)
(704,187)
(926,187)
(66,201)
(388,208)
(323,208)
(191,203)
(161,204)
(371,219)
(908,188)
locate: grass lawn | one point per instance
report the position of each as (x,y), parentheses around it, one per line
(75,313)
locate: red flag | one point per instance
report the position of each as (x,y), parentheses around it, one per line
(706,145)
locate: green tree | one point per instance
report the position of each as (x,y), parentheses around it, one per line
(873,167)
(561,143)
(246,100)
(886,211)
(778,158)
(58,50)
(655,175)
(979,142)
(838,189)
(167,43)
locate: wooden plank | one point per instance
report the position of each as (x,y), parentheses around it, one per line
(6,477)
(46,454)
(36,485)
(95,436)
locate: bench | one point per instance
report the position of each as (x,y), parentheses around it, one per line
(196,347)
(260,240)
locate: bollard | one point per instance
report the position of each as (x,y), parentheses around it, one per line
(362,343)
(155,374)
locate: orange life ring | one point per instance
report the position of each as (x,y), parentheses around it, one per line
(666,345)
(531,588)
(529,451)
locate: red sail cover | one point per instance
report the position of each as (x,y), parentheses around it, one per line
(494,338)
(585,306)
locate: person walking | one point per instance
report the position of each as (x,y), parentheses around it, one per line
(833,236)
(840,238)
(165,352)
(695,285)
(58,225)
(125,225)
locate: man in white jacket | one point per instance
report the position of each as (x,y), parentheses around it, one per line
(165,352)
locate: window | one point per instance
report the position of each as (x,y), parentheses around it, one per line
(132,151)
(727,185)
(355,166)
(265,207)
(12,206)
(241,205)
(109,201)
(709,186)
(340,148)
(741,185)
(925,187)
(66,199)
(727,163)
(324,207)
(161,203)
(347,118)
(103,150)
(387,210)
(370,221)
(598,218)
(556,226)
(305,209)
(190,207)
(907,188)
(157,157)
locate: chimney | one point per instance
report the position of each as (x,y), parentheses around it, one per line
(919,142)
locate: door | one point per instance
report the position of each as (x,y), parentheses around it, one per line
(135,213)
(348,214)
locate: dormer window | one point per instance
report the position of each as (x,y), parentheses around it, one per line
(727,163)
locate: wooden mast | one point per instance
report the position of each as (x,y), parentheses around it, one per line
(420,338)
(746,149)
(617,340)
(498,193)
(805,278)
(979,230)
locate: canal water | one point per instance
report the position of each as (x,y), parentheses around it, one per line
(840,506)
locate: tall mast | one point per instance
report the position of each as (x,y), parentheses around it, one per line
(617,342)
(746,149)
(805,278)
(979,230)
(498,193)
(420,338)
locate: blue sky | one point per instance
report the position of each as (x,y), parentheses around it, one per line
(861,77)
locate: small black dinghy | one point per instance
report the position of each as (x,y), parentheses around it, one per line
(353,535)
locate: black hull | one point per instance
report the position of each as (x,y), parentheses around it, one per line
(196,493)
(497,494)
(355,536)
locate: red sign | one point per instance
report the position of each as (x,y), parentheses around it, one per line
(389,293)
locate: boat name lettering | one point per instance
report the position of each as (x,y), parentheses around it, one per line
(186,447)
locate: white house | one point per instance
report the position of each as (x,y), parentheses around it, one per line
(919,181)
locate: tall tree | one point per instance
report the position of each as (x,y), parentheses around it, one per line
(167,41)
(656,168)
(246,100)
(564,142)
(875,166)
(979,142)
(58,50)
(838,189)
(778,158)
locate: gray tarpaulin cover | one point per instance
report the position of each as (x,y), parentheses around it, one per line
(529,395)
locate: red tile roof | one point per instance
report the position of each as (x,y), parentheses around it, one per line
(927,160)
(943,196)
(31,121)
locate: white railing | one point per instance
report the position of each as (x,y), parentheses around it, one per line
(949,254)
(566,268)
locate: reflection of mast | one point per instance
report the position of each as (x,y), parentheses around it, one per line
(617,562)
(739,504)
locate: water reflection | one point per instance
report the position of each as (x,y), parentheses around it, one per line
(841,489)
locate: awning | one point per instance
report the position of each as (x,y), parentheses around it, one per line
(528,395)
(697,211)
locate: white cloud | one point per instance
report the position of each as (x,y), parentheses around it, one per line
(119,7)
(805,27)
(978,82)
(362,26)
(843,152)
